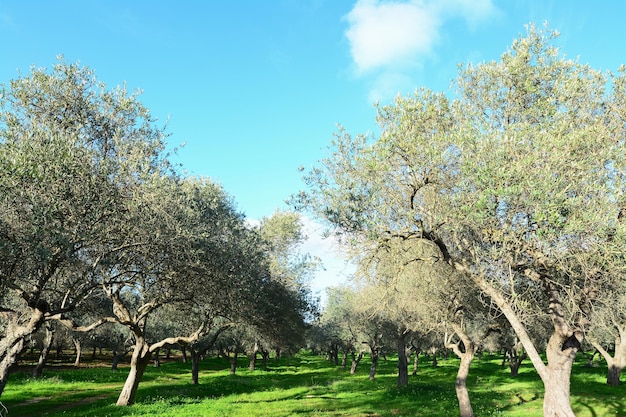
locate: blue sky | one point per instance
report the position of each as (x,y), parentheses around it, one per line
(256,88)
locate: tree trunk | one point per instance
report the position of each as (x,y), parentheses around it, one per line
(403,363)
(560,352)
(590,358)
(117,358)
(556,380)
(265,355)
(616,363)
(45,350)
(59,351)
(233,363)
(138,364)
(462,395)
(467,356)
(613,374)
(333,354)
(355,362)
(416,360)
(515,363)
(183,350)
(195,365)
(344,358)
(13,342)
(252,357)
(77,351)
(375,356)
(9,358)
(157,359)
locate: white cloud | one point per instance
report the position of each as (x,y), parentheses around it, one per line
(392,39)
(391,33)
(474,12)
(337,269)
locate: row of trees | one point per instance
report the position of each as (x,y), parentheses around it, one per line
(97,226)
(502,199)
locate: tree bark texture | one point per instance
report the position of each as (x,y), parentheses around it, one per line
(10,356)
(616,363)
(138,364)
(77,351)
(195,366)
(45,350)
(462,395)
(355,362)
(252,357)
(416,360)
(375,355)
(403,363)
(13,342)
(560,352)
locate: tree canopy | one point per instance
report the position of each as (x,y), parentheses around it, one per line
(92,209)
(517,175)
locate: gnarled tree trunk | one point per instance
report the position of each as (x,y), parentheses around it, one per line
(616,363)
(556,381)
(9,356)
(344,357)
(467,356)
(265,356)
(356,359)
(375,355)
(462,395)
(45,350)
(77,350)
(561,350)
(138,364)
(13,341)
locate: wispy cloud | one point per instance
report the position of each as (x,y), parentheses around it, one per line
(337,269)
(392,38)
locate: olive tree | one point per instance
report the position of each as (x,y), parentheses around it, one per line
(609,330)
(337,328)
(419,293)
(518,180)
(189,260)
(285,302)
(67,146)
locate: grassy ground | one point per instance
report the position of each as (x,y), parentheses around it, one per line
(302,386)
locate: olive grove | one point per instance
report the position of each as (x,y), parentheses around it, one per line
(98,226)
(517,176)
(71,156)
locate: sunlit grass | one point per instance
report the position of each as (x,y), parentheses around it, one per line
(305,385)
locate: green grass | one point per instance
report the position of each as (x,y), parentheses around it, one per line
(305,385)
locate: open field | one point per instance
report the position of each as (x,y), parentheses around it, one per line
(304,385)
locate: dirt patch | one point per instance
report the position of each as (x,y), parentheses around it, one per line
(84,401)
(34,400)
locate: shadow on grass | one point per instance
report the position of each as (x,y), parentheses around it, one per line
(310,386)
